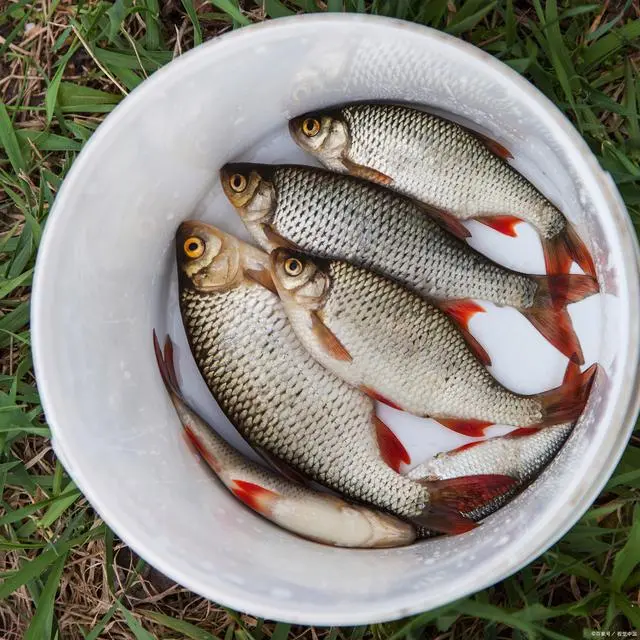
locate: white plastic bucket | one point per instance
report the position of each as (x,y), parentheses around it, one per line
(102,280)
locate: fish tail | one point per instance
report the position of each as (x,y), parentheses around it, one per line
(566,402)
(450,498)
(549,315)
(563,249)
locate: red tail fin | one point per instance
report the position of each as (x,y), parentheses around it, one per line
(449,499)
(444,520)
(467,493)
(548,313)
(565,248)
(566,402)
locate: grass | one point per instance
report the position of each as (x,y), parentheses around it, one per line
(63,67)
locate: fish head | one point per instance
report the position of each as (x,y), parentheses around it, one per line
(208,259)
(324,134)
(299,279)
(250,190)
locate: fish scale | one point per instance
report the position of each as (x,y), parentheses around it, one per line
(325,432)
(394,237)
(458,165)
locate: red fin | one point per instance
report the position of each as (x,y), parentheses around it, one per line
(391,449)
(502,224)
(522,431)
(467,493)
(331,344)
(372,393)
(572,373)
(548,313)
(165,373)
(471,428)
(494,146)
(367,173)
(464,447)
(196,444)
(444,520)
(566,402)
(262,277)
(565,248)
(461,311)
(447,221)
(254,496)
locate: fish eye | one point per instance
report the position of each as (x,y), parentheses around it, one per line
(311,127)
(193,247)
(238,182)
(293,266)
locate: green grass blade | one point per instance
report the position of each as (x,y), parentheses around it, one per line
(138,630)
(629,556)
(10,142)
(42,622)
(193,16)
(233,10)
(187,629)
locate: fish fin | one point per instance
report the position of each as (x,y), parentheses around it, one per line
(461,312)
(572,373)
(262,277)
(444,520)
(447,221)
(166,372)
(471,428)
(327,339)
(549,315)
(493,145)
(170,363)
(391,449)
(367,173)
(372,393)
(556,326)
(566,402)
(464,447)
(276,239)
(254,496)
(564,289)
(467,493)
(282,467)
(502,224)
(563,249)
(196,445)
(522,432)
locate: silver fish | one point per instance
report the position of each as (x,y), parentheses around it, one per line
(394,345)
(345,218)
(522,454)
(442,164)
(311,514)
(283,401)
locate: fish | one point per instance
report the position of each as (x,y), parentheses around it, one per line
(346,218)
(522,454)
(284,402)
(443,164)
(394,345)
(309,513)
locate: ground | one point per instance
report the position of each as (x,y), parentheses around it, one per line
(63,67)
